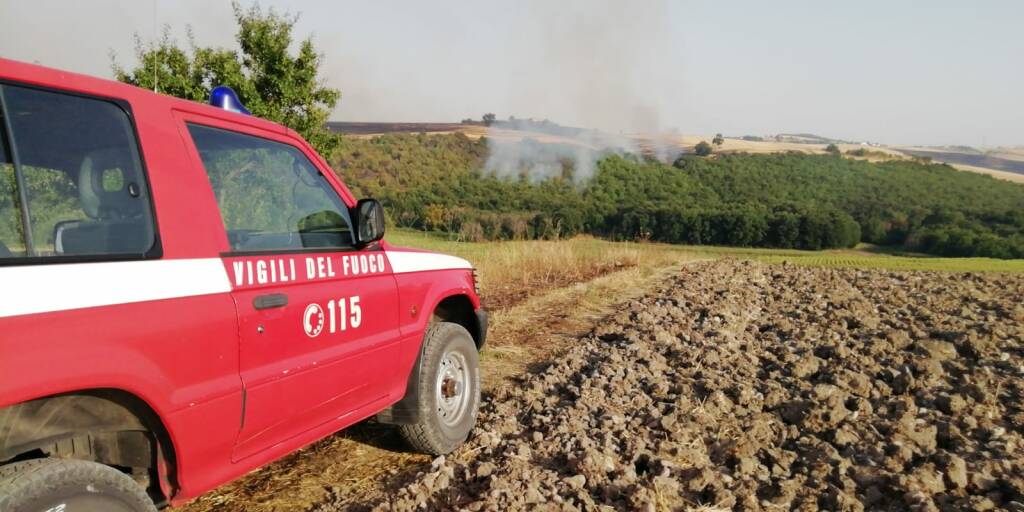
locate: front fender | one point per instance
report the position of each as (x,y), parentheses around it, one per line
(421,292)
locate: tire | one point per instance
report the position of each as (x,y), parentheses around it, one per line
(448,389)
(58,485)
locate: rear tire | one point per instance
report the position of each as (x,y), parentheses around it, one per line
(58,485)
(449,390)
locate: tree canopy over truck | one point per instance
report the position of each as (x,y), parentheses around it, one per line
(272,82)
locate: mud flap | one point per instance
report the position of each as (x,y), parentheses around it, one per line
(406,411)
(481,328)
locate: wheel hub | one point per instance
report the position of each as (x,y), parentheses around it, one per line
(451,396)
(450,388)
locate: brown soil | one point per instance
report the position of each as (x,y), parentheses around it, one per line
(745,386)
(368,461)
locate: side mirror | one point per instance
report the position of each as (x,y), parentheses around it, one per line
(369,220)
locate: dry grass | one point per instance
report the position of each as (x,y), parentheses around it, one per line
(865,256)
(768,146)
(511,272)
(1009,153)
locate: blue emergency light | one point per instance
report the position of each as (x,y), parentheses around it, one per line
(224,97)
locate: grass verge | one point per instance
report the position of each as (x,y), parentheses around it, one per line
(516,263)
(511,272)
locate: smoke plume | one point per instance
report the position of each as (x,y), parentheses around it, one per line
(540,151)
(609,70)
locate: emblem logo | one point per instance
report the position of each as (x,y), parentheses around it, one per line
(313,320)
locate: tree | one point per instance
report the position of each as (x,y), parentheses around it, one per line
(718,140)
(702,148)
(489,119)
(436,217)
(832,149)
(270,81)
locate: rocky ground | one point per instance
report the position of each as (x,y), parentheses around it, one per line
(745,386)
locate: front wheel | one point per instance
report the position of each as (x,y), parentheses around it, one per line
(57,485)
(448,391)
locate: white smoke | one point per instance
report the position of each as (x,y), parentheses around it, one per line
(540,151)
(613,68)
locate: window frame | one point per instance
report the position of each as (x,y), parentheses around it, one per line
(244,130)
(155,250)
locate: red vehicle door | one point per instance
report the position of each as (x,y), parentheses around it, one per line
(318,318)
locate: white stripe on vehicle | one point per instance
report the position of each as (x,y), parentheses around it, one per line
(403,262)
(45,288)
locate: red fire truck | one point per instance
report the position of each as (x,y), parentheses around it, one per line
(189,292)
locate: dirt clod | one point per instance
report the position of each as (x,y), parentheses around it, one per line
(745,386)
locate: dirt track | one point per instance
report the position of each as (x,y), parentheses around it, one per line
(739,385)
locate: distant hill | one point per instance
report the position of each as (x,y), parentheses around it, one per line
(807,138)
(788,199)
(360,128)
(1005,163)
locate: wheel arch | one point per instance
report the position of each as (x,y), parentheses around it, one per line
(458,308)
(107,425)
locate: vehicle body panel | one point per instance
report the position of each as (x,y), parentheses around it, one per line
(234,386)
(323,355)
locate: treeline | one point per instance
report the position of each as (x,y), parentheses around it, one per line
(952,233)
(920,206)
(793,200)
(794,227)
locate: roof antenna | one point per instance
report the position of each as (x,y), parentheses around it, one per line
(156,64)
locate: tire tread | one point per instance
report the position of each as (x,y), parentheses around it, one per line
(38,477)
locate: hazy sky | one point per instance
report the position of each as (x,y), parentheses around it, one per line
(901,72)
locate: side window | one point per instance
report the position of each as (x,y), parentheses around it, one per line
(269,194)
(71,181)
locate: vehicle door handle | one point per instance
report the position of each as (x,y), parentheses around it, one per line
(273,300)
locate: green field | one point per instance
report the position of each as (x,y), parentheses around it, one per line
(849,258)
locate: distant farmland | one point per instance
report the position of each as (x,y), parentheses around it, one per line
(968,159)
(376,128)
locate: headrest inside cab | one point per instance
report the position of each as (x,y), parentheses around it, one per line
(102,183)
